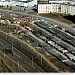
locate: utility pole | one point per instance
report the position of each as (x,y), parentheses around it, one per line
(13,65)
(32,60)
(4,53)
(12,46)
(41,59)
(6,35)
(2,43)
(18,64)
(21,45)
(12,54)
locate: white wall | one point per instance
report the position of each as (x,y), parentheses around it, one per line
(47,8)
(43,8)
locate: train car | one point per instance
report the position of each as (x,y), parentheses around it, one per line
(40,25)
(69,55)
(51,43)
(59,57)
(70,64)
(73,52)
(33,40)
(65,51)
(66,47)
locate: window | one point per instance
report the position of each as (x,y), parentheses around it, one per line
(59,8)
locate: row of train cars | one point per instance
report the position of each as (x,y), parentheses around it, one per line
(54,44)
(47,48)
(50,50)
(52,41)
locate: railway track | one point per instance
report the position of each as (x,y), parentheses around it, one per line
(23,56)
(67,42)
(51,30)
(30,57)
(63,44)
(66,36)
(10,61)
(44,27)
(4,66)
(34,58)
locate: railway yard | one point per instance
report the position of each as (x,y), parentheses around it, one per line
(31,44)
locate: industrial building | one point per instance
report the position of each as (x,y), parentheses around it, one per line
(65,7)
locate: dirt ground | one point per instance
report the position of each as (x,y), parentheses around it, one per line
(59,18)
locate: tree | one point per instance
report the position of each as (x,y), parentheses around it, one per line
(37,31)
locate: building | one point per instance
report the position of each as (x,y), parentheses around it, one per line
(20,3)
(65,7)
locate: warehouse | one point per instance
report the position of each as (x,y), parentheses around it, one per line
(65,7)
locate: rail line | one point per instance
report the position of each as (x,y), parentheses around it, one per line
(22,54)
(44,27)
